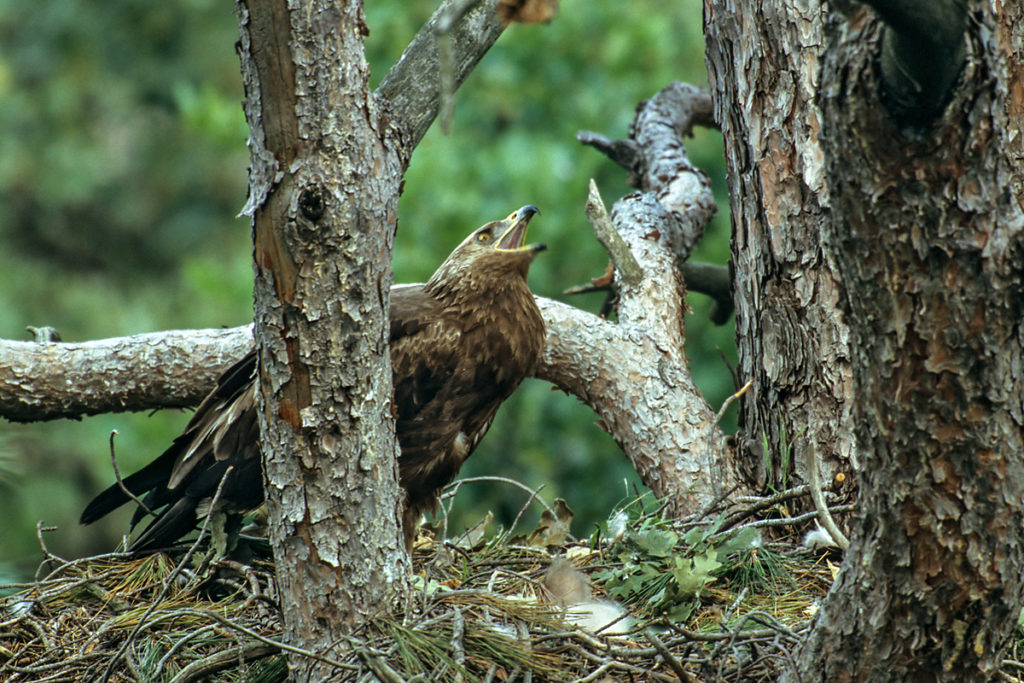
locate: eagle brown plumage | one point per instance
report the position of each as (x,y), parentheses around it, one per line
(460,345)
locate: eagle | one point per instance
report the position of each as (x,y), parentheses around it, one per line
(460,345)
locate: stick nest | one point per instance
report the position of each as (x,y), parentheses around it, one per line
(707,599)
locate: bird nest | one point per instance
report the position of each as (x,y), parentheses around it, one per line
(694,600)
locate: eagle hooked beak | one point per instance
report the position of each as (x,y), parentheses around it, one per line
(512,239)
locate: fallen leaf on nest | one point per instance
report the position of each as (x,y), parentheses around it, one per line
(552,529)
(527,11)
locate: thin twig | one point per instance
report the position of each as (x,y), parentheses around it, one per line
(454,487)
(170,577)
(783,521)
(40,529)
(173,650)
(522,511)
(221,660)
(819,501)
(224,621)
(667,656)
(715,464)
(120,482)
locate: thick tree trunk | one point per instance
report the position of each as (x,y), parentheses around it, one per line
(928,231)
(324,184)
(763,61)
(878,278)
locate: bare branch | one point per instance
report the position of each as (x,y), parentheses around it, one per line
(413,87)
(617,249)
(120,481)
(158,370)
(713,280)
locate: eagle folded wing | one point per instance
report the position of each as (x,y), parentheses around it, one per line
(460,345)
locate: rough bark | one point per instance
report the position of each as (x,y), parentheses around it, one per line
(324,183)
(929,239)
(922,54)
(159,370)
(763,62)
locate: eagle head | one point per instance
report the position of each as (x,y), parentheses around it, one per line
(492,253)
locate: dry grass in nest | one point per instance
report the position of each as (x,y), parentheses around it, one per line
(479,610)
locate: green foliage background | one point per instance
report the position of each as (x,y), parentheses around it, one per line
(122,167)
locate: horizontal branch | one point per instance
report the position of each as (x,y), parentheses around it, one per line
(47,381)
(649,406)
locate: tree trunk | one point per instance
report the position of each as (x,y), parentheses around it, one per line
(763,60)
(324,184)
(928,230)
(912,252)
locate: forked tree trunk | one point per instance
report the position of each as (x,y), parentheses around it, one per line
(879,277)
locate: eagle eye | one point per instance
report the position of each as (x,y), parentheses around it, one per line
(483,237)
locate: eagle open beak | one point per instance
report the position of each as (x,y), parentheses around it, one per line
(512,239)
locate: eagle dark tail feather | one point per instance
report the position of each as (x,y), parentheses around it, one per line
(171,524)
(153,474)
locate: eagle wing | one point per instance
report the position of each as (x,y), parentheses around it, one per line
(222,433)
(445,400)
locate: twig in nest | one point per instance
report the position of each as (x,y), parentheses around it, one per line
(222,660)
(120,482)
(715,464)
(785,521)
(40,529)
(454,487)
(181,642)
(224,621)
(667,656)
(458,649)
(170,577)
(379,667)
(755,504)
(819,500)
(522,511)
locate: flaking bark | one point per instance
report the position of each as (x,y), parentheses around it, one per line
(634,372)
(171,369)
(929,239)
(324,184)
(791,337)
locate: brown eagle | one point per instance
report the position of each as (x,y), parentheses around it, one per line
(460,345)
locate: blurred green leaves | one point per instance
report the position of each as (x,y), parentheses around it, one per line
(123,167)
